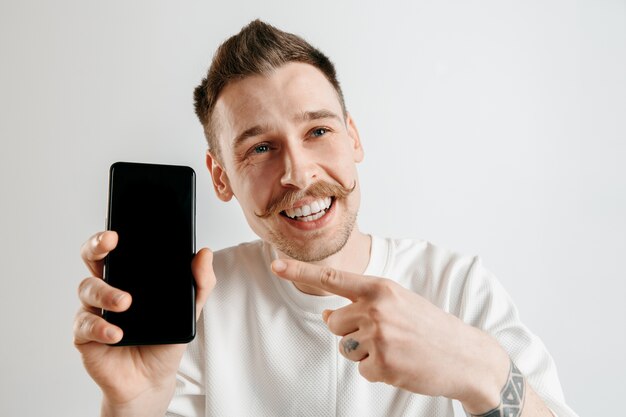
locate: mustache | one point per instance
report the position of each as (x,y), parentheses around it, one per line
(319,189)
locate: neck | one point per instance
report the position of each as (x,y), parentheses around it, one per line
(353,257)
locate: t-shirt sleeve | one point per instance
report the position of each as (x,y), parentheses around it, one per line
(486,304)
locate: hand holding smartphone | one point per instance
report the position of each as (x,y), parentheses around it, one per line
(152,209)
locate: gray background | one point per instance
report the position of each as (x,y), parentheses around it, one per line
(494,128)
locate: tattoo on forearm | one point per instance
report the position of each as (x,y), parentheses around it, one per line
(350,345)
(512,396)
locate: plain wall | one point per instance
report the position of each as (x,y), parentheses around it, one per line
(494,128)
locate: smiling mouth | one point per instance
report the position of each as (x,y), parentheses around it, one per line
(310,212)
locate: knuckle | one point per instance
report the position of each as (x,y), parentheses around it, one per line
(300,272)
(85,289)
(89,327)
(90,292)
(383,287)
(375,313)
(329,277)
(83,325)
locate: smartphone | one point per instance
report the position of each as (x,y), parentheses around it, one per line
(152,209)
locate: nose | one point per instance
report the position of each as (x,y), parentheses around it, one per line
(300,168)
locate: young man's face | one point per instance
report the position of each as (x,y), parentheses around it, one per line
(288,156)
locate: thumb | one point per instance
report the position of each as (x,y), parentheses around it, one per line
(202,268)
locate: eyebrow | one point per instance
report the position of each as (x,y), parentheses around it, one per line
(304,116)
(248,133)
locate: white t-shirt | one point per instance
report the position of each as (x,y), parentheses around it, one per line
(262,348)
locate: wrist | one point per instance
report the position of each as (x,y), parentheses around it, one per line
(482,400)
(151,402)
(485,368)
(510,400)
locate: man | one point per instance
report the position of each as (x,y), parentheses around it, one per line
(316,318)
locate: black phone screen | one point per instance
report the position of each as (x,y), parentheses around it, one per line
(152,209)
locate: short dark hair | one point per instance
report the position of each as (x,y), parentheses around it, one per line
(257,49)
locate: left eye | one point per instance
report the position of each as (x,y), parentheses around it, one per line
(320,131)
(261,149)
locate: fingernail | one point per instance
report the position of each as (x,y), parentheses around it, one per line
(279,265)
(99,239)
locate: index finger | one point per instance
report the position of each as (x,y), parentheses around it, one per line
(96,248)
(345,284)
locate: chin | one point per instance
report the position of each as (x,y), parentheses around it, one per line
(309,254)
(314,248)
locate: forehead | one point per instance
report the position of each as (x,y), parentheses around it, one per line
(273,100)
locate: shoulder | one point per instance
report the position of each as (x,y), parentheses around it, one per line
(458,283)
(242,253)
(241,263)
(439,274)
(424,259)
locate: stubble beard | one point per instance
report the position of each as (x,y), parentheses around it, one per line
(316,247)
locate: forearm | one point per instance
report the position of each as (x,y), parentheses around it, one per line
(534,406)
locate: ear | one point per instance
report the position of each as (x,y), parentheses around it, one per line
(356,139)
(221,184)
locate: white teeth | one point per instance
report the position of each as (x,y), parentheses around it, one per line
(310,212)
(312,217)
